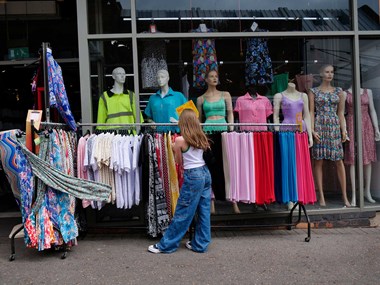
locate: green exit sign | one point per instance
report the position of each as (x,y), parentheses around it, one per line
(18,53)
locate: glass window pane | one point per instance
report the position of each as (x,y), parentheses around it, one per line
(112,16)
(368,12)
(370,99)
(239,15)
(105,56)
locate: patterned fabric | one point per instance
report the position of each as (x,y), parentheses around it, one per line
(173,177)
(165,173)
(157,212)
(18,173)
(368,134)
(204,58)
(258,64)
(153,60)
(54,178)
(57,92)
(326,124)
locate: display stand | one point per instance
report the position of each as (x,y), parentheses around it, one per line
(18,228)
(290,223)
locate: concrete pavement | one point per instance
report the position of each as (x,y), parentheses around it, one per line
(333,256)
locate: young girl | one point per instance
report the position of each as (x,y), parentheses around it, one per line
(195,193)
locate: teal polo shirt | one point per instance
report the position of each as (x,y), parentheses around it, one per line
(161,109)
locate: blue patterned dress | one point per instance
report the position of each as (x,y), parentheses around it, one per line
(57,92)
(326,124)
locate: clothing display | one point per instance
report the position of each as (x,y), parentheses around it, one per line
(253,110)
(57,92)
(157,210)
(50,219)
(280,162)
(258,64)
(153,60)
(326,124)
(161,109)
(217,108)
(204,58)
(117,108)
(113,160)
(290,110)
(305,180)
(368,134)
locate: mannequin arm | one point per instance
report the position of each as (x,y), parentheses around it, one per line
(306,117)
(276,110)
(230,112)
(312,116)
(199,107)
(342,119)
(373,115)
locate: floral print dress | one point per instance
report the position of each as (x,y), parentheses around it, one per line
(326,124)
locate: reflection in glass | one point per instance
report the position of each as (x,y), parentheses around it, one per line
(369,14)
(236,16)
(112,16)
(105,56)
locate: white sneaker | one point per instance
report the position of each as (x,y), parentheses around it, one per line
(188,245)
(154,249)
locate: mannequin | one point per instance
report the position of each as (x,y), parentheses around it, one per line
(162,105)
(253,108)
(117,105)
(292,102)
(370,134)
(215,104)
(328,127)
(210,99)
(295,102)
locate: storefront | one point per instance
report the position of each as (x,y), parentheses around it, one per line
(300,37)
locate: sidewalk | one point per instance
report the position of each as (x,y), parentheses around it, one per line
(333,256)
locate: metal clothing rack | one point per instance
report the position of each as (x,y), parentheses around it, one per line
(290,223)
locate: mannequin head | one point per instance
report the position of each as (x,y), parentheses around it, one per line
(162,77)
(327,72)
(212,78)
(118,74)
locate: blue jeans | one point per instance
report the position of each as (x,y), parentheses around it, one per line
(194,198)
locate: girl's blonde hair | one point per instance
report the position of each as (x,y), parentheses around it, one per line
(191,130)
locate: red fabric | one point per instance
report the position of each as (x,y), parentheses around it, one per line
(264,167)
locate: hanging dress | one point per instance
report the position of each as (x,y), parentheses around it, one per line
(204,58)
(368,134)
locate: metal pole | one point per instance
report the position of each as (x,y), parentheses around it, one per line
(46,80)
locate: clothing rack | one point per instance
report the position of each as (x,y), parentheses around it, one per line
(290,223)
(19,229)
